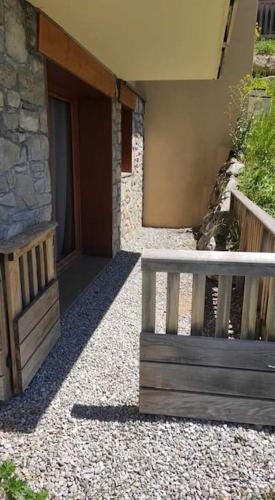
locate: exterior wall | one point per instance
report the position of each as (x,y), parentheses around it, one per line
(25,196)
(187,133)
(132,183)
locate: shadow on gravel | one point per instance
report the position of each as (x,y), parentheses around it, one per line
(23,412)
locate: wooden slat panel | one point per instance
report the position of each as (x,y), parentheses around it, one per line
(266,219)
(49,259)
(242,354)
(14,305)
(59,47)
(33,273)
(204,262)
(205,406)
(127,97)
(5,372)
(3,392)
(198,303)
(172,307)
(32,315)
(39,356)
(226,381)
(25,282)
(41,266)
(223,308)
(24,242)
(270,317)
(38,333)
(250,304)
(148,301)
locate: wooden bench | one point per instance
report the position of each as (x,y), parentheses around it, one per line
(208,377)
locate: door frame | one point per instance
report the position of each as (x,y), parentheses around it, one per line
(64,96)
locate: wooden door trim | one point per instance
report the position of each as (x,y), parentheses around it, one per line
(76,170)
(60,48)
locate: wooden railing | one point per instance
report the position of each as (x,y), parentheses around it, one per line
(31,299)
(257,234)
(266,17)
(203,377)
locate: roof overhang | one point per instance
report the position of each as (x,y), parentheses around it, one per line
(147,39)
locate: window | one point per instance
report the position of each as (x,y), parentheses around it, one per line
(126,139)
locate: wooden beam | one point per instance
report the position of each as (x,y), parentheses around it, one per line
(127,97)
(59,47)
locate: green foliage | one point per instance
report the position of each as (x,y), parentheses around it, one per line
(265,46)
(15,488)
(257,180)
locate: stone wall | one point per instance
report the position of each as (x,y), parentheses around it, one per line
(132,183)
(116,165)
(25,190)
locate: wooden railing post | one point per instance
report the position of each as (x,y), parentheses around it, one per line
(148,300)
(172,307)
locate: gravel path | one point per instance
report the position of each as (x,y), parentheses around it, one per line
(77,431)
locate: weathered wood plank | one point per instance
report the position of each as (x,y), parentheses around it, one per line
(266,219)
(207,407)
(38,333)
(41,266)
(220,263)
(198,304)
(14,306)
(226,381)
(208,351)
(32,315)
(25,281)
(24,242)
(3,392)
(250,304)
(270,317)
(172,306)
(5,372)
(33,272)
(223,307)
(148,301)
(49,259)
(39,356)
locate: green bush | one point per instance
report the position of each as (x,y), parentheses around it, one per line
(258,178)
(265,46)
(15,488)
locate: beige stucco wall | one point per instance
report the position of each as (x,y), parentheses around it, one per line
(186,133)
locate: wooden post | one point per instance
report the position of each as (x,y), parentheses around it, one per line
(148,300)
(223,308)
(198,304)
(172,307)
(250,303)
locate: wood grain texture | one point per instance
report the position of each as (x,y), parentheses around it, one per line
(207,407)
(33,272)
(30,343)
(194,378)
(266,219)
(205,262)
(270,316)
(172,306)
(41,271)
(127,97)
(49,259)
(5,372)
(60,48)
(25,241)
(208,351)
(25,281)
(198,304)
(223,307)
(32,315)
(39,356)
(250,304)
(148,301)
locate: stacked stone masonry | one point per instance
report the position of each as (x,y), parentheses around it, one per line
(25,188)
(132,183)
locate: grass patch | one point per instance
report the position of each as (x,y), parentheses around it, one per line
(14,488)
(265,46)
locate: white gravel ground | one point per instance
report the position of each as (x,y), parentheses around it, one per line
(77,431)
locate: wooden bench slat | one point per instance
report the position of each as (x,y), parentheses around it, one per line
(172,306)
(208,351)
(25,281)
(223,307)
(39,356)
(37,309)
(148,301)
(198,304)
(37,334)
(41,266)
(226,381)
(33,273)
(250,304)
(207,406)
